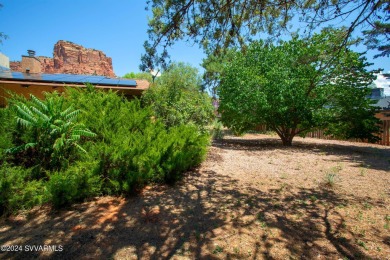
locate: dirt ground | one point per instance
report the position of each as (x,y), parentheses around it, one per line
(251,199)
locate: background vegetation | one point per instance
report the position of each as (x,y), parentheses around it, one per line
(140,75)
(177,98)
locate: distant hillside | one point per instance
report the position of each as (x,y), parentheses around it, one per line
(71,58)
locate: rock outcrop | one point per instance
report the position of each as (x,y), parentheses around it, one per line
(70,58)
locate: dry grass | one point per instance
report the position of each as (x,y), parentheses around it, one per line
(251,199)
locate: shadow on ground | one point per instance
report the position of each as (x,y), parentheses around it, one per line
(375,157)
(182,220)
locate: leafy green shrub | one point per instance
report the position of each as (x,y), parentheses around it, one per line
(238,131)
(49,131)
(176,98)
(131,147)
(75,184)
(7,127)
(217,130)
(140,75)
(188,149)
(63,189)
(18,191)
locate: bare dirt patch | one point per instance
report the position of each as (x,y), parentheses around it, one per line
(251,199)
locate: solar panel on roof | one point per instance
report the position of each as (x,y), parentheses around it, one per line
(94,79)
(32,76)
(127,82)
(53,77)
(67,78)
(98,77)
(6,74)
(17,75)
(108,81)
(49,76)
(24,76)
(2,68)
(74,78)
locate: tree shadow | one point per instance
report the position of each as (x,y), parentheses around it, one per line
(373,157)
(306,224)
(184,219)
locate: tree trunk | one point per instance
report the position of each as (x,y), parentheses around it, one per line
(287,141)
(286,136)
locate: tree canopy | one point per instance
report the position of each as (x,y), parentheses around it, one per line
(214,65)
(297,86)
(218,25)
(378,38)
(140,75)
(177,99)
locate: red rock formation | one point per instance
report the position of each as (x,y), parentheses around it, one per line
(70,58)
(15,65)
(47,65)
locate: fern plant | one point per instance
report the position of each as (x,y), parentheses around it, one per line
(50,133)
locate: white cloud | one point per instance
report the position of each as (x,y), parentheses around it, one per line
(382,82)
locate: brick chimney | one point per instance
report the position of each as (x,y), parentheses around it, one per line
(30,63)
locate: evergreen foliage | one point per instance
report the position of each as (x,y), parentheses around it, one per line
(214,65)
(379,36)
(18,189)
(220,25)
(7,128)
(130,148)
(133,147)
(74,184)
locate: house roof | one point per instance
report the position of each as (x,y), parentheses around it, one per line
(384,103)
(8,76)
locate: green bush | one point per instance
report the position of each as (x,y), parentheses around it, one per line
(140,75)
(132,147)
(188,149)
(50,134)
(18,191)
(176,98)
(7,127)
(217,130)
(75,184)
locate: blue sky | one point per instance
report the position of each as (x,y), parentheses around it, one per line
(116,27)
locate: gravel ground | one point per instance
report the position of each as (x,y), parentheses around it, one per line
(251,199)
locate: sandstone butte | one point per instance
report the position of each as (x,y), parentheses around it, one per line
(71,58)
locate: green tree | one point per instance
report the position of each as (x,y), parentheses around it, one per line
(140,75)
(298,86)
(217,25)
(49,131)
(177,99)
(378,38)
(213,66)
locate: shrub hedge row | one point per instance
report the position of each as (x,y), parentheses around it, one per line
(129,149)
